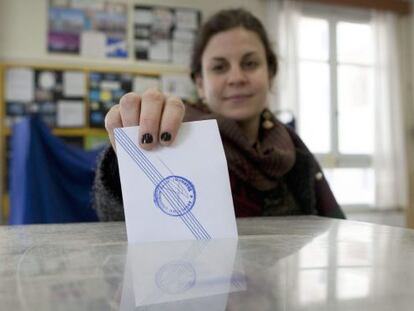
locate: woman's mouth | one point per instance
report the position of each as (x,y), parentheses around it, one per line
(237,97)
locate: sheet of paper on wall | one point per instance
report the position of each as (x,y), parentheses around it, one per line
(93,44)
(141,84)
(160,50)
(181,52)
(186,19)
(170,193)
(184,35)
(178,85)
(116,47)
(110,85)
(47,80)
(19,85)
(70,113)
(85,5)
(163,18)
(143,16)
(74,84)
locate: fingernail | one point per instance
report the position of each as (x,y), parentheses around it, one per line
(146,138)
(165,136)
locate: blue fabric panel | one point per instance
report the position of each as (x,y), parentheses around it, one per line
(50,181)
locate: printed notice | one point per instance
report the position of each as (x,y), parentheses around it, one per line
(70,113)
(74,84)
(20,85)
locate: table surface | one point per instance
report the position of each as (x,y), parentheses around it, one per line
(286,263)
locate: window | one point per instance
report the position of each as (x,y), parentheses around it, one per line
(336,101)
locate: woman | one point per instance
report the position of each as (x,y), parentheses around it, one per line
(272,173)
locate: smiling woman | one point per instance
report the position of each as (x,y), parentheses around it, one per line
(272,173)
(235,82)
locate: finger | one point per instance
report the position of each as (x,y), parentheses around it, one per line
(129,108)
(152,103)
(112,121)
(172,117)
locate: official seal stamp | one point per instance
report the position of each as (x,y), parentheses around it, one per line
(175,195)
(176,277)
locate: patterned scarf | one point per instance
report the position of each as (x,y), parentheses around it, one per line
(261,165)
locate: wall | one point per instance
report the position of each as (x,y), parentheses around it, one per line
(410,125)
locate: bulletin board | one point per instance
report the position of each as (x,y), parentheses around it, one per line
(107,88)
(57,96)
(72,100)
(164,34)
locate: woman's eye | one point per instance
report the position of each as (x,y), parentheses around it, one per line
(251,64)
(218,68)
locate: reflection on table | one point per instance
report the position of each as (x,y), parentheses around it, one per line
(175,275)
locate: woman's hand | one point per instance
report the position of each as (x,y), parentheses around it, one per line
(159,117)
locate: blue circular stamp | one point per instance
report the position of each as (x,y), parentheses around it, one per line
(176,277)
(175,195)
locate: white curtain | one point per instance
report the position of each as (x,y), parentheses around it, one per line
(389,159)
(282,24)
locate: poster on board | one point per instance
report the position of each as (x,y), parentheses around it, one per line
(88,28)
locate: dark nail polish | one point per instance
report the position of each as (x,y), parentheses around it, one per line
(165,136)
(146,138)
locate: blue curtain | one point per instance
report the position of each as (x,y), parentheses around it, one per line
(50,181)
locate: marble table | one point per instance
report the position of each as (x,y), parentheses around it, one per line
(286,263)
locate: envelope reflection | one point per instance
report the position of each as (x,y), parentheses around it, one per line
(182,274)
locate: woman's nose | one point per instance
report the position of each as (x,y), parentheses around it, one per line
(236,76)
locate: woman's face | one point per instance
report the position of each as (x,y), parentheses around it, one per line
(235,78)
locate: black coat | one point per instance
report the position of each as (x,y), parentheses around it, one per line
(305,182)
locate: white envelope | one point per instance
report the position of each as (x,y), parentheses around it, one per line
(179,192)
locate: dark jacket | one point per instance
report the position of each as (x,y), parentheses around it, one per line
(304,182)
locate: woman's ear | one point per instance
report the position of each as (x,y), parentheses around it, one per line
(199,86)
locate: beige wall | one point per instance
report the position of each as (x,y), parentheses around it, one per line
(23,28)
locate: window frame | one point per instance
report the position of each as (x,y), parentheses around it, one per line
(334,159)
